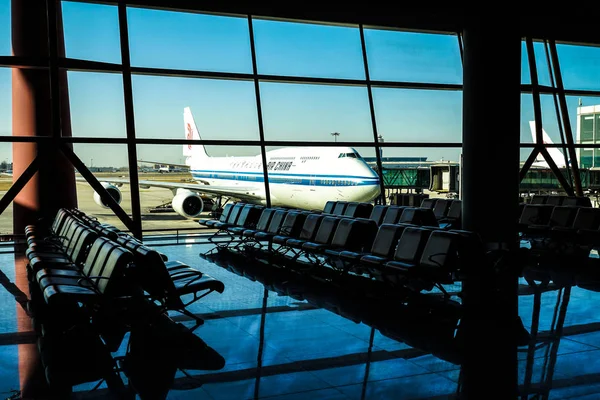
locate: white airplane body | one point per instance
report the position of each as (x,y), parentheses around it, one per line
(298,177)
(555,153)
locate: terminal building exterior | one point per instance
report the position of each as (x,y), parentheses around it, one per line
(588,132)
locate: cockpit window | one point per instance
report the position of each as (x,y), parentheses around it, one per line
(349,155)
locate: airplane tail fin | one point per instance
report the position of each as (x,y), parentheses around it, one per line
(191,133)
(555,153)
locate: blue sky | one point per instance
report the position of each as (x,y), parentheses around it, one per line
(227,109)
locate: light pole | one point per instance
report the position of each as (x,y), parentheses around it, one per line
(335,135)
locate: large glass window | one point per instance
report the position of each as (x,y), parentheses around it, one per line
(91,32)
(221,109)
(97,106)
(587,128)
(5,48)
(299,49)
(301,112)
(541,62)
(418,115)
(166,39)
(579,66)
(586,158)
(5,102)
(217,100)
(413,57)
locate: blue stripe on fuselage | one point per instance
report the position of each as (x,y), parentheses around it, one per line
(290,179)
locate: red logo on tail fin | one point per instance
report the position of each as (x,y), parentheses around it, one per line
(190,135)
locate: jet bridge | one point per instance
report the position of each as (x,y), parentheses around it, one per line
(444,178)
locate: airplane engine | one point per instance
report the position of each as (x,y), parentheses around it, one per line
(187,203)
(112,190)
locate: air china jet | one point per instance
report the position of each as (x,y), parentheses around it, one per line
(299,177)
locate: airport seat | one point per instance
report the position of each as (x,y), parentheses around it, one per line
(340,207)
(358,210)
(329,207)
(272,230)
(103,273)
(562,217)
(577,201)
(440,209)
(263,223)
(73,255)
(46,228)
(585,224)
(351,234)
(323,235)
(418,216)
(539,199)
(53,239)
(452,220)
(232,217)
(323,240)
(555,200)
(222,218)
(393,214)
(382,249)
(535,214)
(171,288)
(358,237)
(407,255)
(292,226)
(378,213)
(247,219)
(437,264)
(307,233)
(428,203)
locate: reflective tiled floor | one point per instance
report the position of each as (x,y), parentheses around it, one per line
(295,350)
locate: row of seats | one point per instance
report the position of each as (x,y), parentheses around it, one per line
(249,216)
(558,200)
(359,244)
(240,217)
(446,211)
(89,278)
(410,256)
(578,224)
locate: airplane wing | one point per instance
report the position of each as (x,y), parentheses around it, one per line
(239,192)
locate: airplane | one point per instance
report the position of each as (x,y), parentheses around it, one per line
(299,177)
(555,153)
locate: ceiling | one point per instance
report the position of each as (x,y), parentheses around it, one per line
(555,26)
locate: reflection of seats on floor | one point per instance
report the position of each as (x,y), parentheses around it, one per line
(98,288)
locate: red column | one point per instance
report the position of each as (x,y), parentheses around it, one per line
(53,186)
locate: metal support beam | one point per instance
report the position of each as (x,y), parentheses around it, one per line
(261,129)
(537,111)
(567,123)
(372,110)
(557,110)
(130,122)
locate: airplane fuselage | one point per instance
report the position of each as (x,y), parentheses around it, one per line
(303,178)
